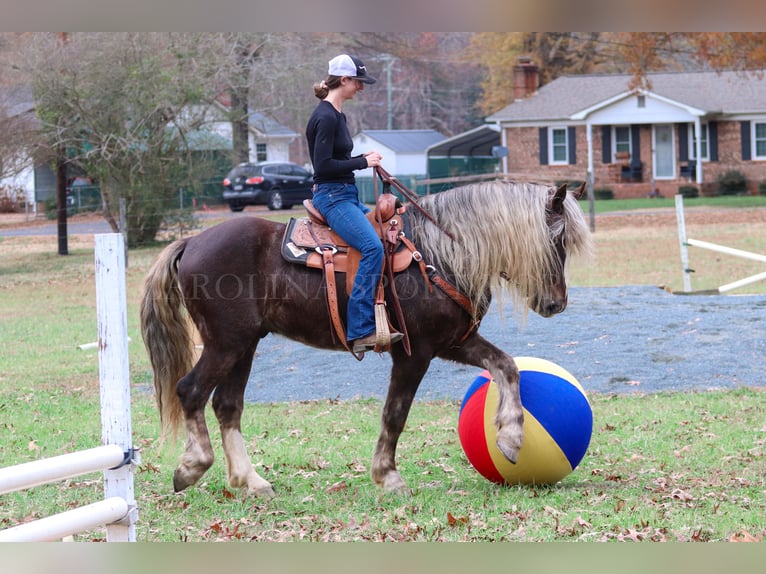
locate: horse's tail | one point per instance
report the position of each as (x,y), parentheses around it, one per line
(166,331)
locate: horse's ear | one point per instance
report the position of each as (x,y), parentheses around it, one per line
(557,200)
(577,193)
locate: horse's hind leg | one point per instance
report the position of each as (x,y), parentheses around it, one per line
(406,374)
(509,418)
(228,404)
(194,391)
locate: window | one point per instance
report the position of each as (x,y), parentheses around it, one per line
(260,152)
(559,146)
(621,139)
(759,140)
(703,143)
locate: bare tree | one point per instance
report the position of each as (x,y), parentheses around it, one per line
(128,108)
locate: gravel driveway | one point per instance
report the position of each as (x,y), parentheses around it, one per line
(613,340)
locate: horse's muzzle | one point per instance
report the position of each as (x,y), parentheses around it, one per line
(549,306)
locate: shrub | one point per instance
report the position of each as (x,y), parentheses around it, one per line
(732,182)
(603,193)
(762,187)
(9,199)
(688,191)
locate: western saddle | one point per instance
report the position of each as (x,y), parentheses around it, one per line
(311,242)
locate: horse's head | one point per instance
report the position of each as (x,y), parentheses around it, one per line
(552,298)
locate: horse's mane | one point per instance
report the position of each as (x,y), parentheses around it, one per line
(498,227)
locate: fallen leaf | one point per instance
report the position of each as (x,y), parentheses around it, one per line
(337,487)
(581,522)
(452,521)
(745,536)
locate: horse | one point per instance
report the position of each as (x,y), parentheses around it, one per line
(231,283)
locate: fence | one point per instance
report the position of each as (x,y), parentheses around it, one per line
(118,511)
(685,242)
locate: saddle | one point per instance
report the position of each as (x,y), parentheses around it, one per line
(311,242)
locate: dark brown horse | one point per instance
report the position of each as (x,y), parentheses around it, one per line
(231,280)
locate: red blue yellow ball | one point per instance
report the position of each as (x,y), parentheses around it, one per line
(558,424)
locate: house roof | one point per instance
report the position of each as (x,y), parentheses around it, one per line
(16,100)
(268,126)
(727,93)
(404,141)
(476,142)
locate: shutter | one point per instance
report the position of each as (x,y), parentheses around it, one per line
(572,142)
(683,142)
(745,130)
(606,144)
(543,146)
(635,143)
(712,136)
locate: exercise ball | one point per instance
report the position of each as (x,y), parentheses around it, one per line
(558,423)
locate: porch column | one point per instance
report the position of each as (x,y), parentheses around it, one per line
(698,149)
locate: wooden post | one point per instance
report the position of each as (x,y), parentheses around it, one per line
(114,375)
(682,241)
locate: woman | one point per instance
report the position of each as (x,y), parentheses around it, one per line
(336,195)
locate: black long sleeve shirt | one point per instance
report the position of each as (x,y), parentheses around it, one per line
(330,146)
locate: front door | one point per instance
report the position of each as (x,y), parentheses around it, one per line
(664,152)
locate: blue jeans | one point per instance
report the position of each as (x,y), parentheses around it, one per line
(339,204)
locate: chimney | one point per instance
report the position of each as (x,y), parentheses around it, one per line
(526,78)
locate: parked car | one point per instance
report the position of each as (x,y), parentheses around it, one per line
(278,185)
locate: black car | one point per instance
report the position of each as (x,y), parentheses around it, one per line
(279,185)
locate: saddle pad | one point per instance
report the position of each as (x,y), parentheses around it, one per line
(299,246)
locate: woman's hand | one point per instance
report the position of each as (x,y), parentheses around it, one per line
(373,158)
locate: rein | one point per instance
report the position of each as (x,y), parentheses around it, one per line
(450,290)
(389,180)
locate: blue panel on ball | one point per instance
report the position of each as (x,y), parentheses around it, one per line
(547,397)
(476,385)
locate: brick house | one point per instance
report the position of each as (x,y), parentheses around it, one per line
(636,142)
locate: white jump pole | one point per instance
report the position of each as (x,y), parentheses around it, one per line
(114,376)
(727,250)
(685,242)
(68,523)
(47,470)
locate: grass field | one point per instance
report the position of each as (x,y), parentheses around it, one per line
(677,467)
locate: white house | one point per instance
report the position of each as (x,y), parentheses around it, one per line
(268,141)
(17,110)
(403,151)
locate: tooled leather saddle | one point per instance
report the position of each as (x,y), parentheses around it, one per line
(311,242)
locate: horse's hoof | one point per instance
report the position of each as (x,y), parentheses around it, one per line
(180,482)
(509,452)
(393,483)
(263,492)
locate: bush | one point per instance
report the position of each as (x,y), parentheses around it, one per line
(732,182)
(603,193)
(688,191)
(762,187)
(9,199)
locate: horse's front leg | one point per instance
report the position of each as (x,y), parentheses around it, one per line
(406,374)
(228,404)
(509,418)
